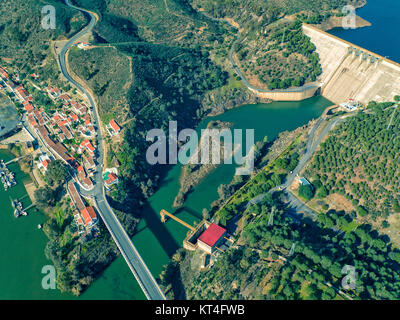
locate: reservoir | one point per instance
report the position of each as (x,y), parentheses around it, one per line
(157,241)
(382,36)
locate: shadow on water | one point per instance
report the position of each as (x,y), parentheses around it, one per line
(153,222)
(193,212)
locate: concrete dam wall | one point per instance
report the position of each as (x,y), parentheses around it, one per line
(350,71)
(277,95)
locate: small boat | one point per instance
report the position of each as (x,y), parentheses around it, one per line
(17,213)
(39,226)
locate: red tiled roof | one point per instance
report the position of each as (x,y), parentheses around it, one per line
(114,125)
(75,196)
(87,181)
(90,147)
(213,233)
(28,107)
(88,215)
(62,123)
(45,163)
(111,177)
(32,120)
(74,117)
(65,97)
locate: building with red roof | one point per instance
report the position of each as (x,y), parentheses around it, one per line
(113,128)
(211,237)
(62,123)
(89,216)
(53,92)
(66,132)
(44,162)
(65,97)
(21,93)
(74,117)
(28,107)
(88,146)
(4,74)
(32,120)
(76,198)
(110,179)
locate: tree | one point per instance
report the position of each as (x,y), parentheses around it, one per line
(57,172)
(306,192)
(361,211)
(45,197)
(205,214)
(322,192)
(328,294)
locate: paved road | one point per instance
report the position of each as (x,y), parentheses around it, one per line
(312,145)
(135,262)
(303,88)
(298,207)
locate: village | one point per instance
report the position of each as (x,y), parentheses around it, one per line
(64,131)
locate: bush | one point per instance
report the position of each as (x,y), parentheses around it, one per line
(306,191)
(322,192)
(361,211)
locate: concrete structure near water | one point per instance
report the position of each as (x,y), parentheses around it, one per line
(348,72)
(352,72)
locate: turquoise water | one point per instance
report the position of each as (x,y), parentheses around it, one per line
(23,244)
(156,241)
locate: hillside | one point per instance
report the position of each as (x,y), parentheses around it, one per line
(357,165)
(147,85)
(24,44)
(160,21)
(289,260)
(271,52)
(278,254)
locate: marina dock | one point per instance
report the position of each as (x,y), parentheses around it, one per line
(6,176)
(18,208)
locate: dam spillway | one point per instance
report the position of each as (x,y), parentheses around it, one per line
(350,71)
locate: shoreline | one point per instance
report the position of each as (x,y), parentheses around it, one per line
(336,22)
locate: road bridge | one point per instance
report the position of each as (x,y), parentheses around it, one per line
(132,257)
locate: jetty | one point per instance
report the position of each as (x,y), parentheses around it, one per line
(18,208)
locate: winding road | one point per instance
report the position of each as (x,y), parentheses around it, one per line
(311,147)
(305,87)
(132,257)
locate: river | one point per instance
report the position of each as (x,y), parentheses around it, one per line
(22,244)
